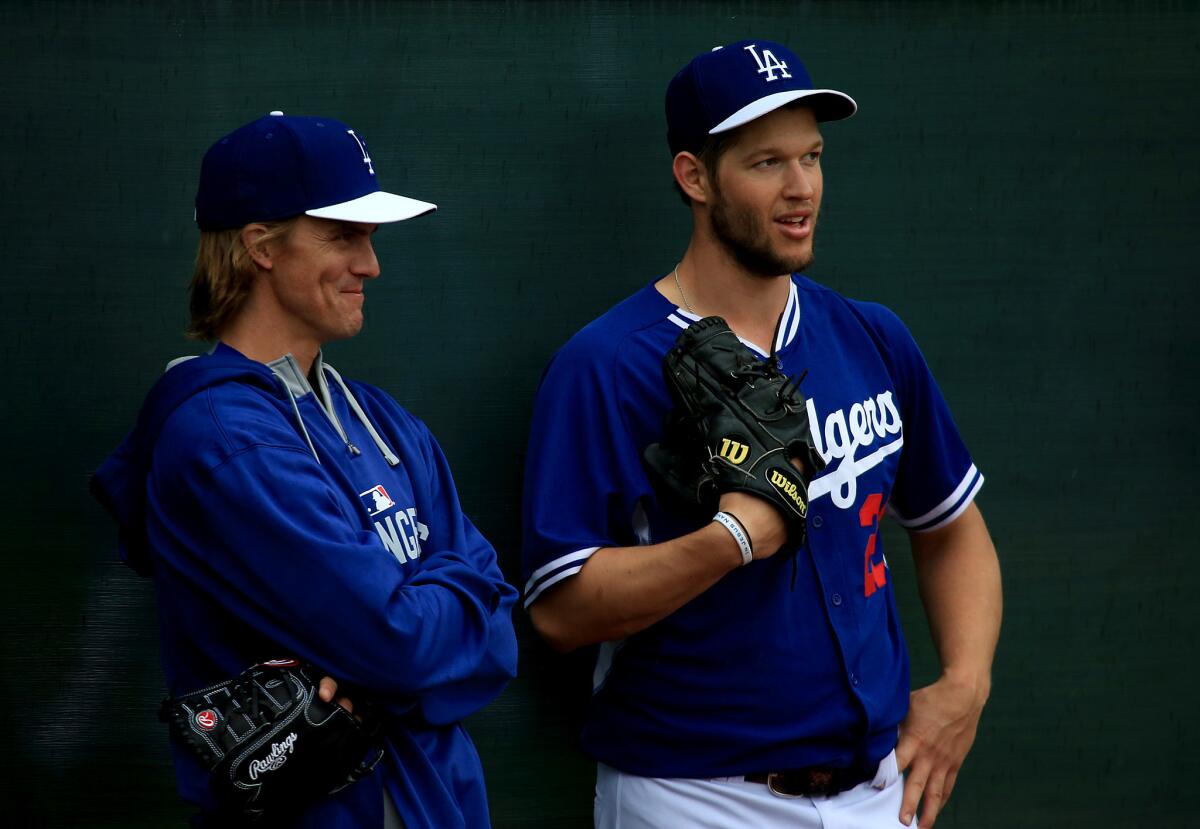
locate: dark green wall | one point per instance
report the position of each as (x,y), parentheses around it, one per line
(1021,186)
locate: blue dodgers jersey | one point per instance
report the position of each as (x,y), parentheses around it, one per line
(790,661)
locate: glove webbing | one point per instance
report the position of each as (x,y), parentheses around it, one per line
(237,722)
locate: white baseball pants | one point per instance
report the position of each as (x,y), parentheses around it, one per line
(626,801)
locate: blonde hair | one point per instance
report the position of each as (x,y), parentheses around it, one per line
(223,276)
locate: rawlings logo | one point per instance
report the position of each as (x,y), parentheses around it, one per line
(207,719)
(733,451)
(277,757)
(788,487)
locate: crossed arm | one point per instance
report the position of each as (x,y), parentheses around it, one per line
(958,576)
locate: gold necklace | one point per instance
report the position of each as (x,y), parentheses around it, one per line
(682,295)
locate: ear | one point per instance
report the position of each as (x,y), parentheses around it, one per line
(692,177)
(262,254)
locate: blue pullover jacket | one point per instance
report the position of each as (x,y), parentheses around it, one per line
(281,520)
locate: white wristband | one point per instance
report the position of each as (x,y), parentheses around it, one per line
(739,534)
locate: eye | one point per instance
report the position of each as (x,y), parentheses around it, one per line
(812,157)
(766,163)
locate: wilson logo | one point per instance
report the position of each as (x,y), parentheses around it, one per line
(733,451)
(788,487)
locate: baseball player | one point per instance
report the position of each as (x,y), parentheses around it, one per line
(742,680)
(285,510)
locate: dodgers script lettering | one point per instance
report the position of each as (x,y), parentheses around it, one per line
(844,432)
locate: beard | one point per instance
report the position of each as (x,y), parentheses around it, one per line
(740,232)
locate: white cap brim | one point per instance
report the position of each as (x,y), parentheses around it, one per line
(374,208)
(844,107)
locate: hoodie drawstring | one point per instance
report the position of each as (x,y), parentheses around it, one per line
(384,449)
(300,420)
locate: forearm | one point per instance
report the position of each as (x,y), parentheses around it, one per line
(958,576)
(622,590)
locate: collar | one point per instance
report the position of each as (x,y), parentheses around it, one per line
(789,323)
(288,370)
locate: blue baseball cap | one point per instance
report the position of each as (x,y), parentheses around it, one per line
(283,165)
(732,85)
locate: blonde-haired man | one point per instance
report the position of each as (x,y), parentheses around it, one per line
(283,510)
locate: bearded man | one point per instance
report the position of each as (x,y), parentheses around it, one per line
(743,679)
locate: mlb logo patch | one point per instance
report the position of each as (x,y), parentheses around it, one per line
(376,500)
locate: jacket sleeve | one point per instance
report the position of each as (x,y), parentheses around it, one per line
(497,662)
(264,533)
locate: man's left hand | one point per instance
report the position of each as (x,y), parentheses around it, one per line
(934,740)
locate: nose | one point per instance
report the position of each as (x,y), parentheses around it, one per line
(366,264)
(801,181)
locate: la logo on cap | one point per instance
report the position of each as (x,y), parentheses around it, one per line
(362,148)
(280,166)
(768,63)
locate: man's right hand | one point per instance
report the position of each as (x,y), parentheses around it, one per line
(328,691)
(622,590)
(760,519)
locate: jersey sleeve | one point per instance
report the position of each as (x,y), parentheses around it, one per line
(937,478)
(263,533)
(580,472)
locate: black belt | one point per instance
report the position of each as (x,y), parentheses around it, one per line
(814,781)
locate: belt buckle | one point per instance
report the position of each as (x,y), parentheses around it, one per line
(817,782)
(771,778)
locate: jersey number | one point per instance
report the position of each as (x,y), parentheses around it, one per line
(874,573)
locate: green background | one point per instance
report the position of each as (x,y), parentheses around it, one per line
(1021,186)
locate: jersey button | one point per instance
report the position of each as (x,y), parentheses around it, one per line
(837,599)
(817,521)
(854,680)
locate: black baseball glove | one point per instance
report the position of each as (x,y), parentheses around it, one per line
(271,744)
(737,424)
